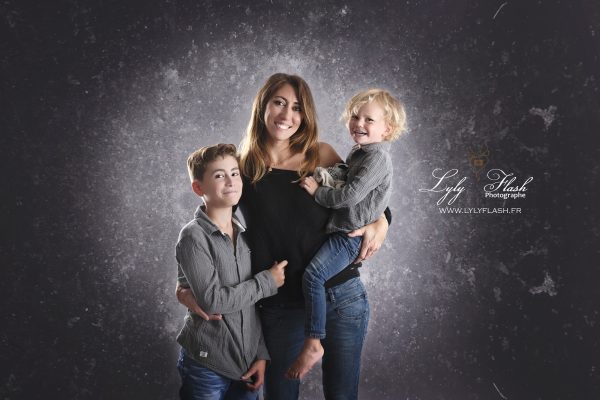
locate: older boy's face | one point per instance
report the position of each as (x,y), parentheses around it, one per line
(368,125)
(222,183)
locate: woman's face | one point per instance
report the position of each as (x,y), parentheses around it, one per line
(283,114)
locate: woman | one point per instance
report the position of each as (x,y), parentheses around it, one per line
(285,223)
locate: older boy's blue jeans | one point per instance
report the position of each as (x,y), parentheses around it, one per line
(201,383)
(335,254)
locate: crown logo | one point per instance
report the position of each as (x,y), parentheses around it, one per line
(478,159)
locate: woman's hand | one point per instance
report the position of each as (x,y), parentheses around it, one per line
(373,236)
(186,297)
(255,377)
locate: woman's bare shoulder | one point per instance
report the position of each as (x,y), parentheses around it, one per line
(327,155)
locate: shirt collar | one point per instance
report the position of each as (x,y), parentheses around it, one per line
(367,148)
(209,226)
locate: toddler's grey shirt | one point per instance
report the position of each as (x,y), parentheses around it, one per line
(366,194)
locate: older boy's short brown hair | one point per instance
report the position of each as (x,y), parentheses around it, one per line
(393,109)
(199,159)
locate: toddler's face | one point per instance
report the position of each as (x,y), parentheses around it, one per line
(368,125)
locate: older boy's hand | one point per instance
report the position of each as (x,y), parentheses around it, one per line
(255,377)
(310,185)
(278,272)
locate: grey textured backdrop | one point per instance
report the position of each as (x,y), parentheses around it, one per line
(103,100)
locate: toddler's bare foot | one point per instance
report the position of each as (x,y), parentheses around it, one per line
(311,353)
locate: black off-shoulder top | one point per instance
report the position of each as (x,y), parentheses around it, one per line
(285,223)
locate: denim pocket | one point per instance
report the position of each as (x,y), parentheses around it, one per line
(354,308)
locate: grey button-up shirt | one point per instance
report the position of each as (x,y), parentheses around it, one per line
(366,193)
(220,277)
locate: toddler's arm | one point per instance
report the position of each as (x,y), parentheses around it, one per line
(369,176)
(309,184)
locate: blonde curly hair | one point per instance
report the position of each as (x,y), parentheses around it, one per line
(394,113)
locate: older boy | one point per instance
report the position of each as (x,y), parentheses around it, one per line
(221,358)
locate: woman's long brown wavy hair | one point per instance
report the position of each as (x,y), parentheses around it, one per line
(253,149)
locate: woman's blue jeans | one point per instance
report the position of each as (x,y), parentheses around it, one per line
(347,318)
(200,383)
(334,255)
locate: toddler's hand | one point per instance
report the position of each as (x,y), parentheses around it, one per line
(310,185)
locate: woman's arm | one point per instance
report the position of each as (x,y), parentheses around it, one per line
(186,297)
(327,155)
(373,237)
